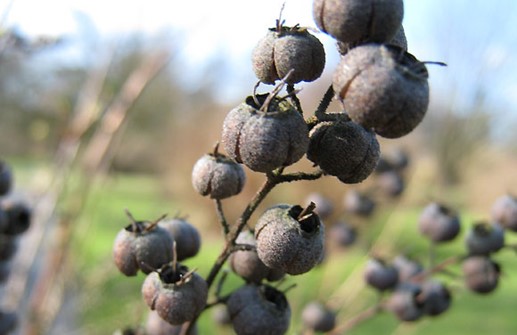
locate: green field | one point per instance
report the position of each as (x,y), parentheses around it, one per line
(109,301)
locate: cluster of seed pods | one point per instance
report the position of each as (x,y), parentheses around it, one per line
(15,219)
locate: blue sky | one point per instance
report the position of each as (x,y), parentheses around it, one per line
(476,38)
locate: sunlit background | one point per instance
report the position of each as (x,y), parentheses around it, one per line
(106,105)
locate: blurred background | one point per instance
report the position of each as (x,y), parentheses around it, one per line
(107,105)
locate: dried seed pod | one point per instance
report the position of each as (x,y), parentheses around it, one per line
(403,303)
(504,212)
(217,176)
(155,325)
(384,88)
(6,178)
(318,317)
(176,294)
(186,236)
(484,238)
(406,267)
(259,310)
(399,40)
(358,203)
(481,274)
(354,21)
(284,49)
(142,246)
(380,275)
(344,149)
(246,263)
(265,137)
(290,238)
(435,297)
(439,223)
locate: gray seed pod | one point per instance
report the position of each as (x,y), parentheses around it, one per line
(342,234)
(436,297)
(217,176)
(504,212)
(318,317)
(186,236)
(246,263)
(284,49)
(265,140)
(484,238)
(384,88)
(380,275)
(399,40)
(439,223)
(359,203)
(481,274)
(259,310)
(353,21)
(141,246)
(391,183)
(403,303)
(406,268)
(289,240)
(344,149)
(177,295)
(155,325)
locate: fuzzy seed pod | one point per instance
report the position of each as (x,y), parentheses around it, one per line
(399,40)
(186,236)
(344,149)
(436,298)
(384,88)
(284,49)
(354,21)
(177,295)
(318,317)
(342,234)
(246,263)
(142,246)
(403,303)
(358,203)
(19,217)
(259,310)
(504,212)
(6,178)
(484,238)
(439,223)
(290,238)
(155,325)
(481,274)
(265,137)
(380,275)
(217,176)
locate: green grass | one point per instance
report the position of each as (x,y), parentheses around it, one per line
(108,300)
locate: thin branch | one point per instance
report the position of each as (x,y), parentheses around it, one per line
(291,91)
(221,216)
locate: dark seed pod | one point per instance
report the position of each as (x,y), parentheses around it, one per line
(384,88)
(353,21)
(246,263)
(176,294)
(435,297)
(342,234)
(403,303)
(186,236)
(318,317)
(6,178)
(358,203)
(259,310)
(284,49)
(380,275)
(407,268)
(142,246)
(391,183)
(8,322)
(217,176)
(399,40)
(504,212)
(8,247)
(5,270)
(344,149)
(324,207)
(484,238)
(439,223)
(481,274)
(19,217)
(265,137)
(155,325)
(290,238)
